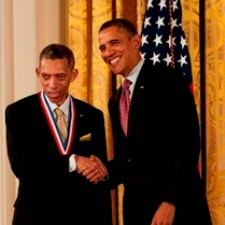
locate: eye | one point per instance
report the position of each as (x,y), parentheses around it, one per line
(61,76)
(45,76)
(115,42)
(102,48)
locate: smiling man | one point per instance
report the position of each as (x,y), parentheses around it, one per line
(156,156)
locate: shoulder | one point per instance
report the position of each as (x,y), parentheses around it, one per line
(162,73)
(28,101)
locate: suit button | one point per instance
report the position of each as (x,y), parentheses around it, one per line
(129,160)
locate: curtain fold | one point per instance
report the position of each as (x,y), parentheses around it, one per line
(215,107)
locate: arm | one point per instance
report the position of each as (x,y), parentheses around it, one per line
(92,167)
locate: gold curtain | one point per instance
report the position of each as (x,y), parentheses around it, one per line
(214,94)
(94,83)
(215,107)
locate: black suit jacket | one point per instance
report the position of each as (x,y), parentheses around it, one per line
(48,193)
(158,160)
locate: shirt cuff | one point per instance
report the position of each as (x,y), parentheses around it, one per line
(72,163)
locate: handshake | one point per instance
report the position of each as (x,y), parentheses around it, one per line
(92,168)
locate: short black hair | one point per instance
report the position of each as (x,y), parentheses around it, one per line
(58,51)
(120,23)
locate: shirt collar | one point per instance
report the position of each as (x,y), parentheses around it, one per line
(64,107)
(133,75)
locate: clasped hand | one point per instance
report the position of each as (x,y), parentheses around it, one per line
(92,168)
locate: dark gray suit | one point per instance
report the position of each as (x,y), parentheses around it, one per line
(48,193)
(158,160)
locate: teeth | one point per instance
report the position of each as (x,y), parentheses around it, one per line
(114,61)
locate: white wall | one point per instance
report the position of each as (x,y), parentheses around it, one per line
(26,26)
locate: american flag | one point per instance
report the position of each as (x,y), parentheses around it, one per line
(163,38)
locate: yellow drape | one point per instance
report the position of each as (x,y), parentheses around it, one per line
(94,83)
(215,107)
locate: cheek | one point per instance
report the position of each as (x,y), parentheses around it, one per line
(43,83)
(65,84)
(103,56)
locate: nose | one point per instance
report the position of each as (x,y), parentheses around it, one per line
(53,82)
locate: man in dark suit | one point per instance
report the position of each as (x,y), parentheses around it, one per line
(51,188)
(157,158)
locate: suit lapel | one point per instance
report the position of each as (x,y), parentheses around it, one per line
(138,97)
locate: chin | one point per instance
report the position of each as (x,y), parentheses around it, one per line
(115,71)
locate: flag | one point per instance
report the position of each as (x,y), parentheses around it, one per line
(163,38)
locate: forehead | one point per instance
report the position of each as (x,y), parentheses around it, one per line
(48,61)
(111,33)
(54,64)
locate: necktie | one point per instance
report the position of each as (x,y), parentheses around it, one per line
(61,123)
(124,105)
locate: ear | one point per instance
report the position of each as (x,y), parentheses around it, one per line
(137,41)
(74,74)
(37,70)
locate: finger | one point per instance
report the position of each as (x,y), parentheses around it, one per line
(98,162)
(81,169)
(95,176)
(84,169)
